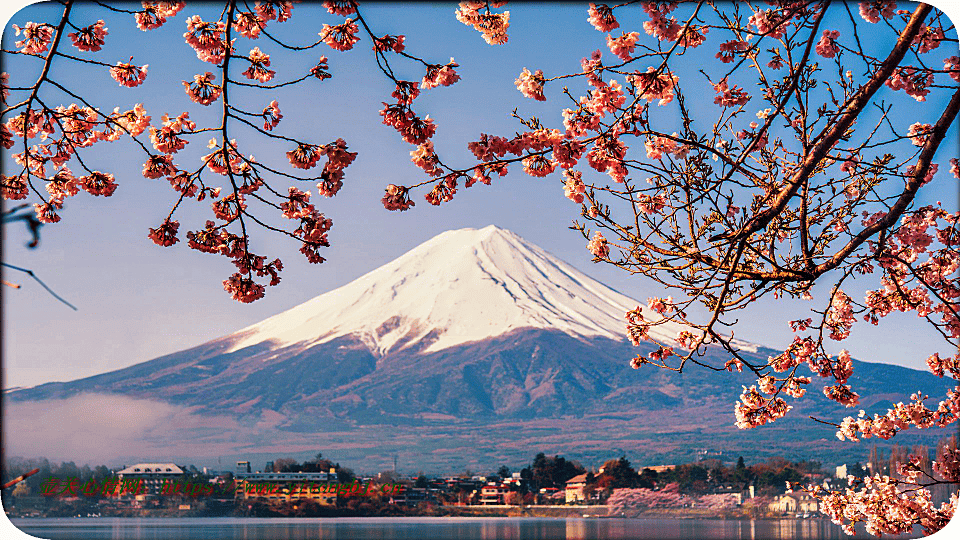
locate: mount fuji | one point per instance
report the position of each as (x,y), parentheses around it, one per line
(461,286)
(472,349)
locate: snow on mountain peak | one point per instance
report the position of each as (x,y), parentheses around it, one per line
(460,286)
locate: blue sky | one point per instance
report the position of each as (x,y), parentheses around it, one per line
(138,301)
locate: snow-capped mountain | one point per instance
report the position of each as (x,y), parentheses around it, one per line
(474,347)
(460,286)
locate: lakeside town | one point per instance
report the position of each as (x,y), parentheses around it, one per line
(549,486)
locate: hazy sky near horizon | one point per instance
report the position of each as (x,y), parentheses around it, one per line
(138,301)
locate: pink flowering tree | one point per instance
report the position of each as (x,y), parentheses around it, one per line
(794,171)
(48,140)
(797,176)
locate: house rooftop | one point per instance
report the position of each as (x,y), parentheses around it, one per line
(152,468)
(579,479)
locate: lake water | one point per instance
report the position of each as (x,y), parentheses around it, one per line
(426,528)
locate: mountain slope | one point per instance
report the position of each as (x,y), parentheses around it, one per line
(475,343)
(460,286)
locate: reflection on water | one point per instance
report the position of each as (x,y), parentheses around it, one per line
(429,528)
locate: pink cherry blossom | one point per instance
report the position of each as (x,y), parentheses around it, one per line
(493,26)
(574,187)
(872,11)
(248,24)
(655,85)
(601,17)
(729,50)
(202,90)
(157,166)
(397,198)
(531,84)
(166,234)
(128,74)
(598,246)
(729,97)
(623,45)
(827,46)
(98,183)
(341,37)
(155,14)
(89,38)
(389,43)
(279,10)
(36,37)
(259,62)
(952,66)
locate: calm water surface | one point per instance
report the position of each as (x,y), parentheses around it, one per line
(425,528)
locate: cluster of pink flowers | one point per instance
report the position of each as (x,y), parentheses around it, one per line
(659,26)
(951,65)
(883,508)
(36,37)
(840,316)
(166,139)
(573,187)
(443,191)
(929,39)
(425,158)
(654,84)
(313,232)
(400,116)
(916,83)
(901,417)
(873,11)
(658,146)
(493,26)
(207,40)
(166,234)
(827,46)
(128,74)
(259,62)
(342,36)
(159,165)
(248,24)
(389,43)
(729,50)
(440,75)
(769,23)
(537,165)
(661,305)
(89,38)
(948,466)
(605,98)
(601,17)
(729,97)
(637,329)
(397,198)
(279,10)
(531,84)
(271,115)
(155,14)
(753,410)
(607,155)
(623,45)
(297,204)
(202,90)
(340,7)
(598,246)
(918,133)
